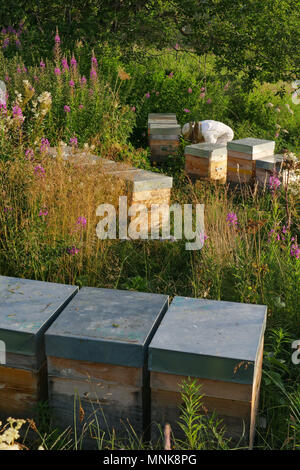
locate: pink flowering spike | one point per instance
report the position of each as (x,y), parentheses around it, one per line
(295,250)
(57,71)
(190,90)
(186,110)
(132,108)
(147,95)
(231,219)
(171,74)
(57,38)
(29,154)
(274,183)
(202,95)
(39,170)
(73,141)
(67,108)
(203,88)
(43,213)
(83,80)
(42,64)
(94,62)
(209,101)
(93,74)
(73,250)
(45,145)
(17,114)
(71,83)
(73,62)
(81,221)
(176,47)
(64,63)
(80,106)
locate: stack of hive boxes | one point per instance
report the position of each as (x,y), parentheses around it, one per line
(245,156)
(218,343)
(27,309)
(163,135)
(206,161)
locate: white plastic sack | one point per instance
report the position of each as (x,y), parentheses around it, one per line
(2,93)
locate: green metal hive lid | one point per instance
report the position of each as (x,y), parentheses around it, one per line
(251,146)
(206,150)
(27,309)
(107,326)
(211,339)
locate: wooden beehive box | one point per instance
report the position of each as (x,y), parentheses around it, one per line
(27,309)
(146,188)
(206,161)
(97,356)
(242,154)
(267,167)
(161,118)
(163,140)
(221,344)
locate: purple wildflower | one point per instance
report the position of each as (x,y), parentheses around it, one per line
(295,250)
(7,78)
(57,71)
(274,183)
(45,145)
(42,64)
(73,250)
(67,108)
(93,74)
(132,108)
(81,221)
(190,90)
(65,64)
(171,74)
(71,83)
(17,113)
(186,110)
(19,70)
(73,62)
(147,95)
(202,95)
(81,106)
(83,80)
(231,218)
(94,62)
(43,213)
(57,38)
(209,101)
(29,154)
(39,170)
(73,141)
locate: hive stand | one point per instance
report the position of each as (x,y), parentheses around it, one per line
(242,156)
(206,161)
(27,309)
(219,343)
(97,351)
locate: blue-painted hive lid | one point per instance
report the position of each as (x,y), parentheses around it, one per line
(211,339)
(107,326)
(206,150)
(272,162)
(27,308)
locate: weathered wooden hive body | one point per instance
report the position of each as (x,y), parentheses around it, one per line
(206,161)
(97,358)
(219,343)
(242,157)
(161,118)
(27,309)
(267,167)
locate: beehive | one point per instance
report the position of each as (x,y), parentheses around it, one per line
(161,118)
(267,167)
(97,356)
(219,343)
(206,161)
(27,309)
(242,155)
(163,140)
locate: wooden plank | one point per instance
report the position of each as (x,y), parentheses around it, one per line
(255,394)
(83,370)
(210,388)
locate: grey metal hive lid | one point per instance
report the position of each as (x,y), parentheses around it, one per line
(164,129)
(27,308)
(162,116)
(251,146)
(206,150)
(107,326)
(270,163)
(211,339)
